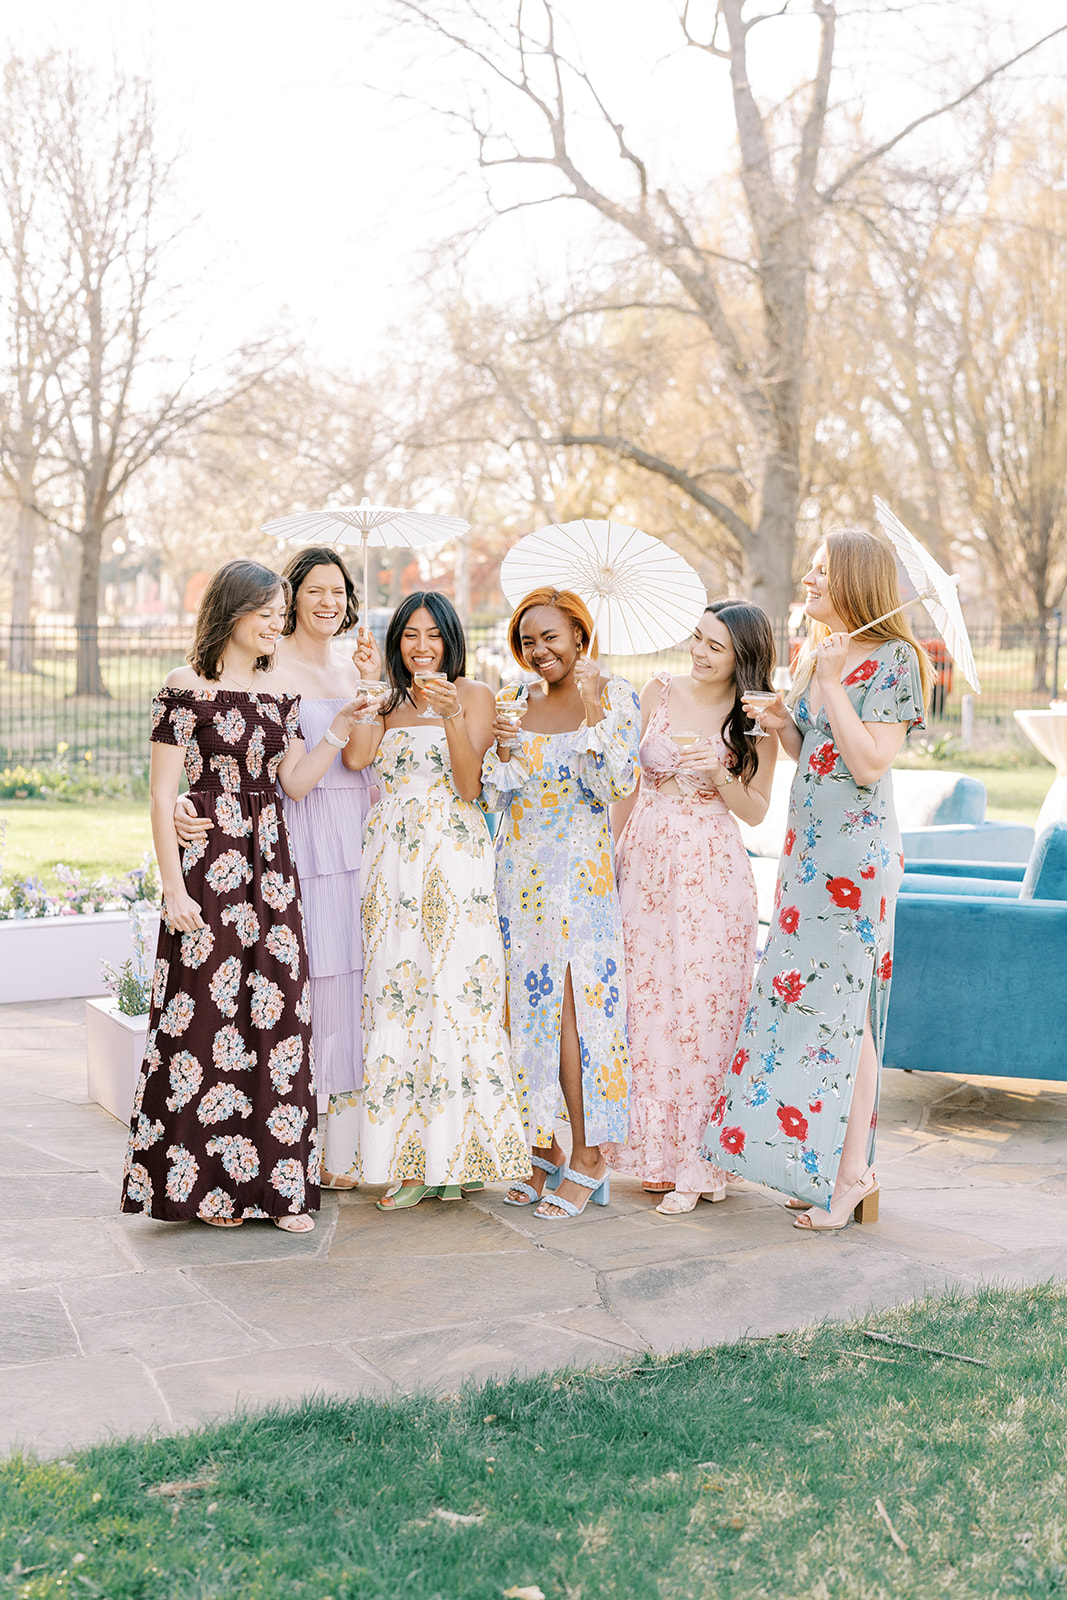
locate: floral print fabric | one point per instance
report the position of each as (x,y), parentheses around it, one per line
(224,1113)
(689,922)
(437,1104)
(828,961)
(555,884)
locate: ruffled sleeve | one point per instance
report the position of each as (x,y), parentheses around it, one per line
(503,780)
(175,714)
(894,692)
(606,753)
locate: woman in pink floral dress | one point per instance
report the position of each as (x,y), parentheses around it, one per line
(689,900)
(224,1124)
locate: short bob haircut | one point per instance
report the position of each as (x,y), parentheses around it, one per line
(446,617)
(752,638)
(232,592)
(295,572)
(576,611)
(861,578)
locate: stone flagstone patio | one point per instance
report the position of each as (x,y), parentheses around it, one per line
(111,1325)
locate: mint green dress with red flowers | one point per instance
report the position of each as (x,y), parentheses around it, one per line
(828,961)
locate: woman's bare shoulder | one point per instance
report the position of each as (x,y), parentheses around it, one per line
(185,678)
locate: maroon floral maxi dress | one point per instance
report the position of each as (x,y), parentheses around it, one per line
(224,1118)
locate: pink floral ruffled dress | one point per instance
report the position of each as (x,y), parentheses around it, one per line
(689,929)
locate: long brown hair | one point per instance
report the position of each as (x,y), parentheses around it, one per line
(232,592)
(752,637)
(861,580)
(574,609)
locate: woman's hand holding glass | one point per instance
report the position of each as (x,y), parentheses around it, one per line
(441,696)
(349,717)
(698,759)
(509,714)
(770,717)
(375,690)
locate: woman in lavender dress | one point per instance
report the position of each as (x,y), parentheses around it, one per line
(326,835)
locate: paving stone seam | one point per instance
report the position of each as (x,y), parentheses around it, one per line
(158,1392)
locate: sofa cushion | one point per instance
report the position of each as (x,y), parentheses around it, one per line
(921,800)
(933,799)
(1046,876)
(950,883)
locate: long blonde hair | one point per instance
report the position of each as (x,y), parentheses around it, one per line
(861,580)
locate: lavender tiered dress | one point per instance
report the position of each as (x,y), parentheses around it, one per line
(326,833)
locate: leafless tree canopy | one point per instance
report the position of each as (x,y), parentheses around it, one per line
(530,102)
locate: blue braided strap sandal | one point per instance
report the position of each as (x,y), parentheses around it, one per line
(600,1194)
(527,1189)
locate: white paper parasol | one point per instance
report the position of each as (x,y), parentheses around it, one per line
(642,596)
(385,527)
(936,588)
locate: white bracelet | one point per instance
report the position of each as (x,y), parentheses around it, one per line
(455,714)
(331,738)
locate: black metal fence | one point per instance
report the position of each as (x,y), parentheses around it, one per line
(43,722)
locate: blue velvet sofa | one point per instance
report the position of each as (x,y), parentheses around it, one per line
(940,815)
(980,966)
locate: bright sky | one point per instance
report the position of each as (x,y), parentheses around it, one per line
(318,197)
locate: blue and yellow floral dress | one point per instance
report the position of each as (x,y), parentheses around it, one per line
(829,958)
(437,1104)
(555,888)
(224,1120)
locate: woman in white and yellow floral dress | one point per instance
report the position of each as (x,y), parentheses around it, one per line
(437,1109)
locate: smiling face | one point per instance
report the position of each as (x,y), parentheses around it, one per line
(711,650)
(819,606)
(422,648)
(321,602)
(257,631)
(550,642)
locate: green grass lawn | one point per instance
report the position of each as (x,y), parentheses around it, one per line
(100,837)
(819,1464)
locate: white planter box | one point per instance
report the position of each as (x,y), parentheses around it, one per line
(58,958)
(114,1047)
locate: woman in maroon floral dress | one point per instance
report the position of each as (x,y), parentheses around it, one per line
(224,1118)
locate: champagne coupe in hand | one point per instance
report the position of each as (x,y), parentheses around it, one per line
(684,738)
(422,679)
(757,702)
(376,692)
(510,708)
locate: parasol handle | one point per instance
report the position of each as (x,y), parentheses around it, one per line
(596,621)
(365,536)
(886,614)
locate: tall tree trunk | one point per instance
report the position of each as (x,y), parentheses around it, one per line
(1041,643)
(87,627)
(21,648)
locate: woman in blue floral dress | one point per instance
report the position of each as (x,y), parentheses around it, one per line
(224,1117)
(574,754)
(800,1106)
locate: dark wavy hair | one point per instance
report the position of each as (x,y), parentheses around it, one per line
(752,637)
(454,659)
(296,570)
(232,592)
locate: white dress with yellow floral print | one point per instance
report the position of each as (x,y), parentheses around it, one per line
(438,1103)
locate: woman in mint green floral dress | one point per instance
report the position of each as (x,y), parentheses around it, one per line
(800,1104)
